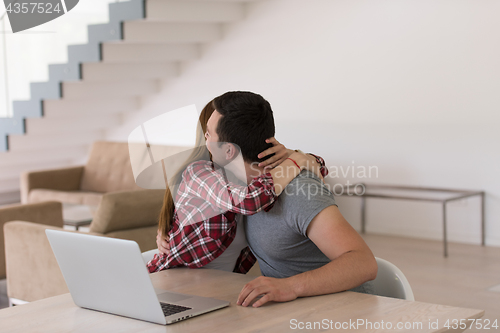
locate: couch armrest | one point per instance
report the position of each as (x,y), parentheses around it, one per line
(65,179)
(126,210)
(32,269)
(49,213)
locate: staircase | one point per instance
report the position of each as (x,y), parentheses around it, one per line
(143,44)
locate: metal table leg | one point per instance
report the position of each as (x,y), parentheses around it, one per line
(483,234)
(363,214)
(445,236)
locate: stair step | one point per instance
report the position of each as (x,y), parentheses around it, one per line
(126,10)
(64,72)
(20,158)
(53,108)
(194,11)
(148,52)
(83,53)
(30,142)
(98,33)
(60,125)
(84,90)
(155,31)
(41,90)
(12,124)
(124,71)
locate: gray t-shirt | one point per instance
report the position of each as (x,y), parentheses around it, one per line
(278,238)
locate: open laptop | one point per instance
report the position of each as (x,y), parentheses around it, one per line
(109,275)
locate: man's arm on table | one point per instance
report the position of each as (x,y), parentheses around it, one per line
(352,264)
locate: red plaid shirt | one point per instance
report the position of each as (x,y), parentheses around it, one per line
(204,223)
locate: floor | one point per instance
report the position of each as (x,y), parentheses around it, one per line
(469,277)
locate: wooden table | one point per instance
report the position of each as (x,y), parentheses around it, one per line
(60,314)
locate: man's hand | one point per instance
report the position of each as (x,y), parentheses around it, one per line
(280,152)
(272,289)
(162,243)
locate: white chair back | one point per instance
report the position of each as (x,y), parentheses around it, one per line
(148,255)
(391,282)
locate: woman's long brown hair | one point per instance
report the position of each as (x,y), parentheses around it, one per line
(200,152)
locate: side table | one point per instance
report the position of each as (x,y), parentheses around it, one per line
(78,215)
(440,195)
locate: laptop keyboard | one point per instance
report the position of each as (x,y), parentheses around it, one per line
(170,309)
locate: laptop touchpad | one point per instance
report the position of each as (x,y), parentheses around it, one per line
(171,297)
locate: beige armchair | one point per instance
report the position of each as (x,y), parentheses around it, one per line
(49,213)
(32,270)
(108,169)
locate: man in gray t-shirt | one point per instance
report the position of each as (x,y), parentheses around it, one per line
(305,247)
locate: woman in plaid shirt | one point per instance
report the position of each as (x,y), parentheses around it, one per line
(202,223)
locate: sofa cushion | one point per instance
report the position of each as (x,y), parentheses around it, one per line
(128,210)
(144,237)
(108,168)
(76,197)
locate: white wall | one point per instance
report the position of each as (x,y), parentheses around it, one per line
(411,87)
